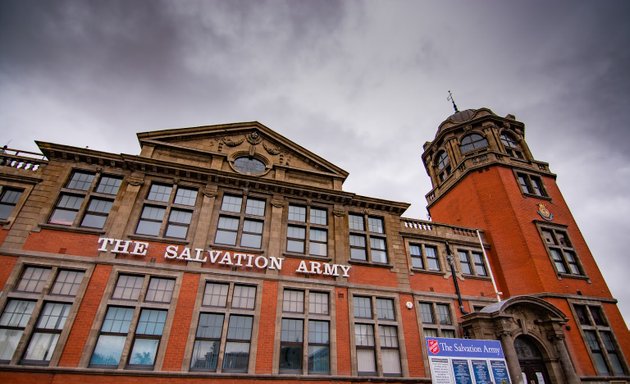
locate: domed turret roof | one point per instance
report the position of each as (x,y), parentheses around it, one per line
(460,117)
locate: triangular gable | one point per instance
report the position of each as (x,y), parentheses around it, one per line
(283,158)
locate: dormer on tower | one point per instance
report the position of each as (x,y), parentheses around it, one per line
(471,140)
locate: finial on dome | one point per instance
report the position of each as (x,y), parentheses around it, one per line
(450,98)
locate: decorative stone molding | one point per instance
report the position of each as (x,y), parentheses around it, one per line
(503,333)
(232,143)
(271,150)
(210,192)
(254,138)
(277,203)
(339,213)
(135,180)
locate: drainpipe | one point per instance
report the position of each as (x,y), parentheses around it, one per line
(451,263)
(485,257)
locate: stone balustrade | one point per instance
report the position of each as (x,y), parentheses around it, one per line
(21,160)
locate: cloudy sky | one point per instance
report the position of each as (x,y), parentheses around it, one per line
(371,75)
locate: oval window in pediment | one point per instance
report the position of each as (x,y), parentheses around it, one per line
(249,165)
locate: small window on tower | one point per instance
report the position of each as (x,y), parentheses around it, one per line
(443,165)
(561,251)
(511,145)
(531,184)
(473,142)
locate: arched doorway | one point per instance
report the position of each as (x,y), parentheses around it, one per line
(531,361)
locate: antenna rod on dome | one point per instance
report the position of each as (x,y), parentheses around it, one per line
(450,98)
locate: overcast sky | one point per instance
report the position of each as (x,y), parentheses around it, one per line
(352,81)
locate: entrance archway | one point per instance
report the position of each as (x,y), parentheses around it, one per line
(531,361)
(533,326)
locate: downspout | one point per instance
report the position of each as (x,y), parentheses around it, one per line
(451,263)
(485,257)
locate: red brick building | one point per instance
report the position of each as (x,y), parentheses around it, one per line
(229,253)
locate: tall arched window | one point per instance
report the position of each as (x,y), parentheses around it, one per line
(472,142)
(511,145)
(443,164)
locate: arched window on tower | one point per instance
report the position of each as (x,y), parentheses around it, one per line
(473,142)
(511,145)
(443,164)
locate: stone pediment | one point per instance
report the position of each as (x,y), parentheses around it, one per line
(248,148)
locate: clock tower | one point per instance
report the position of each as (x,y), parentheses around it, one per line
(484,176)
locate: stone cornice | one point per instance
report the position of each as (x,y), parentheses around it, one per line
(165,168)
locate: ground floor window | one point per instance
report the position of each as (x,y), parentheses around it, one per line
(305,332)
(600,339)
(376,336)
(224,329)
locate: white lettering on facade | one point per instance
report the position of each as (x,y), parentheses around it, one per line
(345,268)
(302,267)
(104,241)
(239,258)
(331,269)
(315,268)
(185,255)
(275,263)
(198,253)
(140,248)
(214,255)
(263,264)
(227,259)
(121,246)
(171,252)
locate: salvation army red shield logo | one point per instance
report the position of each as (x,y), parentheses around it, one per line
(434,347)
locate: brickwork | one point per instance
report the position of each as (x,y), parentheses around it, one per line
(3,235)
(7,264)
(264,359)
(62,242)
(344,361)
(412,335)
(84,322)
(184,312)
(476,205)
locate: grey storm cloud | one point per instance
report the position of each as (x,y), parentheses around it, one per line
(353,81)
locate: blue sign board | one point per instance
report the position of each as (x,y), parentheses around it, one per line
(480,369)
(500,372)
(462,371)
(469,348)
(466,361)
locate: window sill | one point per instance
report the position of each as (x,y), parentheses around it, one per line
(370,264)
(476,277)
(518,159)
(234,248)
(37,363)
(57,227)
(304,256)
(138,368)
(532,195)
(166,240)
(427,272)
(571,276)
(104,367)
